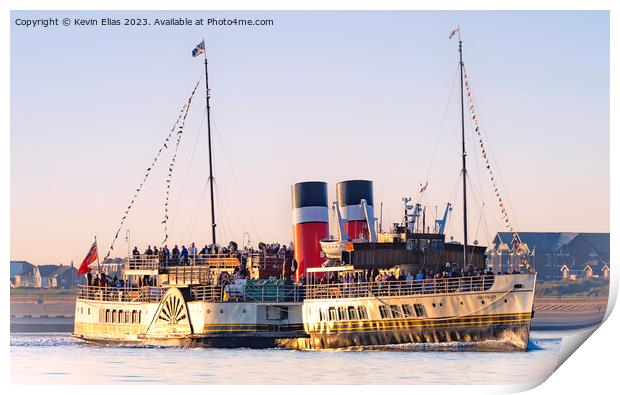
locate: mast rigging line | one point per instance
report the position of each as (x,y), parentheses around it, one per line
(441,127)
(493,158)
(191,162)
(196,213)
(476,123)
(219,198)
(224,201)
(164,146)
(234,175)
(172,163)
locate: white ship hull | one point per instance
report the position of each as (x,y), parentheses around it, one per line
(175,322)
(389,314)
(501,313)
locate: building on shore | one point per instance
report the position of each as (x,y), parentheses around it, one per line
(558,255)
(26,275)
(58,276)
(587,272)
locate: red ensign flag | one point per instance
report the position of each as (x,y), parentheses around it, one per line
(90,258)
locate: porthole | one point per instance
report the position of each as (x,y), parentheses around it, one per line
(461,302)
(243,311)
(482,301)
(221,311)
(434,305)
(505,300)
(440,304)
(208,311)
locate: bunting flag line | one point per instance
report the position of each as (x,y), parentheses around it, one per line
(171,166)
(182,115)
(475,119)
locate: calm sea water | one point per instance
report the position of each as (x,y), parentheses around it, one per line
(60,359)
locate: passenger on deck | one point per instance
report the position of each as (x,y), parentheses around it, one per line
(165,254)
(205,250)
(155,251)
(135,251)
(89,278)
(96,282)
(193,251)
(148,251)
(175,255)
(420,276)
(184,255)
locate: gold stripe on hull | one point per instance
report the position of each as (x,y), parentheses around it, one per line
(396,324)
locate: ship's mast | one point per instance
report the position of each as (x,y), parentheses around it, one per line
(213,225)
(464,154)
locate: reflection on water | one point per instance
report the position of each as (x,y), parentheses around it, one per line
(59,358)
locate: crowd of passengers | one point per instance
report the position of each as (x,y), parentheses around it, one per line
(376,276)
(103,280)
(187,256)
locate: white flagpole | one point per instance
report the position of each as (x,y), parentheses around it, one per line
(97,248)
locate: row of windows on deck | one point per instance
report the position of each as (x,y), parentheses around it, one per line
(344,313)
(402,311)
(352,313)
(121,316)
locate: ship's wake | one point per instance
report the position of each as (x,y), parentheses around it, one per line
(36,340)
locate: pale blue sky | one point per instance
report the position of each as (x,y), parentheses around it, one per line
(318,96)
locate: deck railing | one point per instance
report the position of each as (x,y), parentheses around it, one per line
(399,288)
(155,262)
(188,275)
(268,261)
(125,294)
(229,293)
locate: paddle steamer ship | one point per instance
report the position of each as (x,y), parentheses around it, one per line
(342,295)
